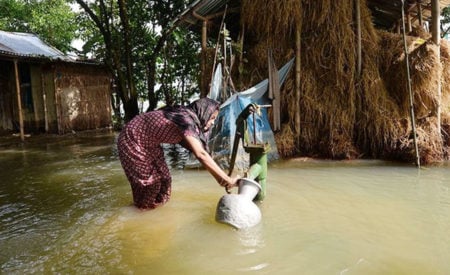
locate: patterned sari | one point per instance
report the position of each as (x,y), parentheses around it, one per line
(141,154)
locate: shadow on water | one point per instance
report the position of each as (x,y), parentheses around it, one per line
(65,207)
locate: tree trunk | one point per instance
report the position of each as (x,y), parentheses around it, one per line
(126,41)
(113,53)
(131,109)
(151,72)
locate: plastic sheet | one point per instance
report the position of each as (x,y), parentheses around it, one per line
(223,133)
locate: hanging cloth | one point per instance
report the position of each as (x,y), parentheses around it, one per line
(215,91)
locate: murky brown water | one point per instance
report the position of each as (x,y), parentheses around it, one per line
(65,207)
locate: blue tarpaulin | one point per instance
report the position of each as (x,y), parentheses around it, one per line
(222,135)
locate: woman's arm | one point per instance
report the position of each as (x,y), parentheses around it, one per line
(208,162)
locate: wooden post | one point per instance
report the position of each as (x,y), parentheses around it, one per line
(57,107)
(205,88)
(358,34)
(419,10)
(408,18)
(297,83)
(19,101)
(436,37)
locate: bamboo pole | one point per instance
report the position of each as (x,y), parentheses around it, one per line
(436,37)
(411,99)
(419,10)
(205,88)
(224,52)
(19,101)
(297,83)
(218,44)
(358,34)
(408,17)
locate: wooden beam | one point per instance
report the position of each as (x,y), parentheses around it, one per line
(19,100)
(419,10)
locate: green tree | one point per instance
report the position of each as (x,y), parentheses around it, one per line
(179,72)
(144,50)
(135,39)
(111,20)
(445,21)
(52,20)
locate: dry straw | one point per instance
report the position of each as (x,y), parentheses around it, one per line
(345,115)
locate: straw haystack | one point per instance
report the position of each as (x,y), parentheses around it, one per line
(344,114)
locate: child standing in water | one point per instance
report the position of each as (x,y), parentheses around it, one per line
(142,156)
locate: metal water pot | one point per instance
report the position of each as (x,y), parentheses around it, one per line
(239,210)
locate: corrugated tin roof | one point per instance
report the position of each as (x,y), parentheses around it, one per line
(211,6)
(202,8)
(385,13)
(28,45)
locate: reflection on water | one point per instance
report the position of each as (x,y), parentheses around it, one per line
(65,207)
(177,156)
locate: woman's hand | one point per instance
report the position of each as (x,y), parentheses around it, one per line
(230,183)
(221,177)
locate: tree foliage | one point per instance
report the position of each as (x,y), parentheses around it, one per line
(52,20)
(148,57)
(143,50)
(445,21)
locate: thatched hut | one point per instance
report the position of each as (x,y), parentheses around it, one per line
(43,90)
(348,96)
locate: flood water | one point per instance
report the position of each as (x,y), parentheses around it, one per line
(65,208)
